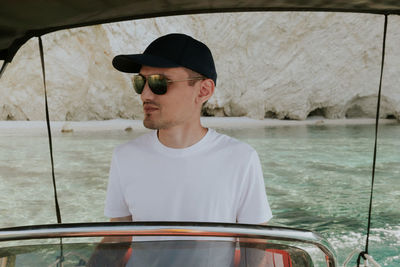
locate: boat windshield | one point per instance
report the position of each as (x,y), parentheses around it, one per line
(157,253)
(162,244)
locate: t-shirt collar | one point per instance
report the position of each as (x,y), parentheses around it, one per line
(178,152)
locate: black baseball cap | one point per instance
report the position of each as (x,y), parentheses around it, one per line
(169,51)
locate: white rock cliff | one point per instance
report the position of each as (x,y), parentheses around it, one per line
(280,65)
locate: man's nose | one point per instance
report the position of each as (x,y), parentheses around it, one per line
(146,93)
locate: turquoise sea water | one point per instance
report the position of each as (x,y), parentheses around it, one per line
(317,178)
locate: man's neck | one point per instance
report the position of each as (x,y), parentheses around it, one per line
(181,136)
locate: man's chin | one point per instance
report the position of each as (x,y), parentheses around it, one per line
(150,125)
(157,125)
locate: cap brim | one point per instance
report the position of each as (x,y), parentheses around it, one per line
(133,63)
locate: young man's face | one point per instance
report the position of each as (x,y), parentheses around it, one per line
(176,107)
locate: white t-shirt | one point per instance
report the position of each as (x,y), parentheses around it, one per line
(218,179)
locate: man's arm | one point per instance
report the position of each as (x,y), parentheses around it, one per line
(112,250)
(255,203)
(122,219)
(113,239)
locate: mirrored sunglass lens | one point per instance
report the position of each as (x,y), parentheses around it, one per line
(138,83)
(157,84)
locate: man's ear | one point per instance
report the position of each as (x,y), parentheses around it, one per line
(207,87)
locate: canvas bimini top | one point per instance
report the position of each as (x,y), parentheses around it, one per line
(21,20)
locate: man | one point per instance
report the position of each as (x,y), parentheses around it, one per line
(181,171)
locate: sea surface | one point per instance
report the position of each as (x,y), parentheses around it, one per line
(316,177)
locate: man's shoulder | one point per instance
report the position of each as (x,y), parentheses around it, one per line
(224,141)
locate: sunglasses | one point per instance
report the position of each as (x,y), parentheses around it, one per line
(158,83)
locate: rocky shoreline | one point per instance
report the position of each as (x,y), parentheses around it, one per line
(270,65)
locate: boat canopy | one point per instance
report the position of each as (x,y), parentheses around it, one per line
(21,20)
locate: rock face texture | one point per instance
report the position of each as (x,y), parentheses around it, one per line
(270,65)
